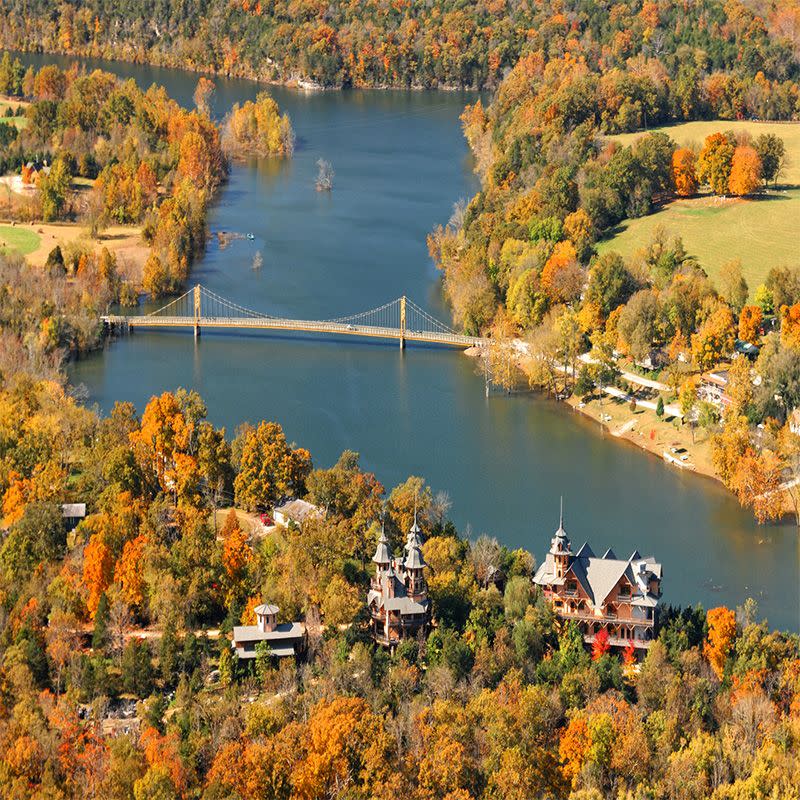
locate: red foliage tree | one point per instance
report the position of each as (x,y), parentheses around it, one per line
(600,645)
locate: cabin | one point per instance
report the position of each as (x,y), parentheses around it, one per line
(606,592)
(398,602)
(73,514)
(296,513)
(287,639)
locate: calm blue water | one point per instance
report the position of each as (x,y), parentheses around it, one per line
(400,164)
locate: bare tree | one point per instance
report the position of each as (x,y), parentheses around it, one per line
(325,175)
(119,620)
(440,506)
(485,557)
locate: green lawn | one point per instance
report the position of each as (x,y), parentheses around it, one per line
(20,240)
(762,232)
(20,121)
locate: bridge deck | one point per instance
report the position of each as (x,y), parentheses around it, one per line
(310,326)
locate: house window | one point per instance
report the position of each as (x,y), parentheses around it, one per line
(572,588)
(625,592)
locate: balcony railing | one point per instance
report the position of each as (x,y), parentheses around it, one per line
(588,617)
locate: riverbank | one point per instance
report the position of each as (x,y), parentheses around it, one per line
(666,438)
(237,72)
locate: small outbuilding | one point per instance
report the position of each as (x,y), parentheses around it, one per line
(297,513)
(284,639)
(73,513)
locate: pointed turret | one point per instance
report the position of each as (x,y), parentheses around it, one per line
(560,546)
(383,554)
(414,538)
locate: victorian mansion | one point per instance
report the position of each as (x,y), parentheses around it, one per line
(398,598)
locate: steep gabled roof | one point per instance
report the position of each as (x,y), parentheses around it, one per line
(585,551)
(603,575)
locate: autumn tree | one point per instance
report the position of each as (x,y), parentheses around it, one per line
(714,163)
(236,555)
(128,572)
(98,565)
(203,93)
(729,446)
(270,468)
(714,338)
(684,173)
(562,277)
(732,285)
(750,319)
(790,326)
(721,623)
(258,126)
(745,175)
(757,484)
(600,645)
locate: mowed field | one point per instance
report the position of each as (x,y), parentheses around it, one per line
(18,239)
(762,232)
(18,107)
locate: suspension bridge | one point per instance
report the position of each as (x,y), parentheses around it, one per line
(201,308)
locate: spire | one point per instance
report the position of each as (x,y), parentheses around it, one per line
(415,526)
(560,543)
(383,554)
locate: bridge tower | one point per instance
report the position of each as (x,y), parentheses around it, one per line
(403,322)
(197,311)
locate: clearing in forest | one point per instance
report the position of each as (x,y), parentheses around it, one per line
(762,231)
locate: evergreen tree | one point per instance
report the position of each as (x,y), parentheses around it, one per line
(100,633)
(168,655)
(137,668)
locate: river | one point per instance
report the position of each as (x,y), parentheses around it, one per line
(400,164)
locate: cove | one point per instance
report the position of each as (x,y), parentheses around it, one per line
(400,164)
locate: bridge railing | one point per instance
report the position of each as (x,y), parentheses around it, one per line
(199,307)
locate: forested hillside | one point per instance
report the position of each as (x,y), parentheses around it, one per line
(410,42)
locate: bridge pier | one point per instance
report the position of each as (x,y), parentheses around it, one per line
(403,322)
(197,310)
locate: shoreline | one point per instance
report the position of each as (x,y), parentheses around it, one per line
(296,82)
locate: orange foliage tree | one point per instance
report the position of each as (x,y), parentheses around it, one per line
(745,175)
(750,321)
(561,276)
(714,338)
(236,551)
(790,325)
(721,623)
(163,433)
(573,747)
(98,563)
(684,173)
(128,571)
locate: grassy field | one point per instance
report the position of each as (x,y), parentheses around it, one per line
(762,232)
(19,240)
(20,121)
